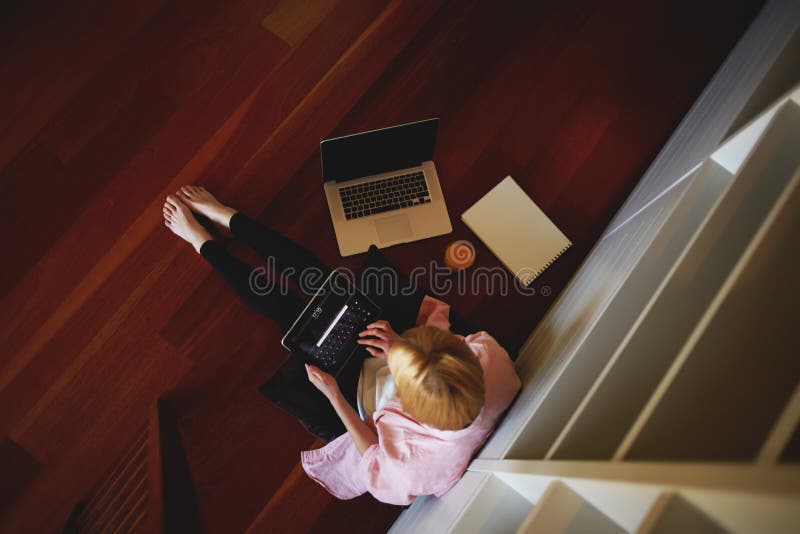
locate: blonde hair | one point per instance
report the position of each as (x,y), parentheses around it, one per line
(439,379)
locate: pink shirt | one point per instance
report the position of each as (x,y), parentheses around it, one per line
(407,460)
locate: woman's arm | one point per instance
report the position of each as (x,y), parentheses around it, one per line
(361,434)
(378,339)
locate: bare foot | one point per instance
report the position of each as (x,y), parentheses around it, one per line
(203,202)
(178,218)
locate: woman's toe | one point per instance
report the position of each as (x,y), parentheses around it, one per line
(173,201)
(180,207)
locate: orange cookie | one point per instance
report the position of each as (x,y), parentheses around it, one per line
(459,255)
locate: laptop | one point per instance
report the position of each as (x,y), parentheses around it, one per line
(326,332)
(382,187)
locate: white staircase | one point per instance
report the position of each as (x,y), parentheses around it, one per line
(662,391)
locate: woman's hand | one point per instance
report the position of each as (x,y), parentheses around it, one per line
(323,381)
(383,337)
(362,435)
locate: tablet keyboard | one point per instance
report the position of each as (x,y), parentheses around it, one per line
(329,355)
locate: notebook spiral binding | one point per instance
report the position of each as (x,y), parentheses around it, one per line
(549,263)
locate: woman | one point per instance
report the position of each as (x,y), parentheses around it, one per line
(441,395)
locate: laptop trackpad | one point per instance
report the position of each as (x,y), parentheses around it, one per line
(393,228)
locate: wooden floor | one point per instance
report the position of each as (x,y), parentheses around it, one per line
(106,107)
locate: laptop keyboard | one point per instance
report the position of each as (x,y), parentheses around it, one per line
(328,355)
(386,194)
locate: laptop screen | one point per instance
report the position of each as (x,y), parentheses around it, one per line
(388,149)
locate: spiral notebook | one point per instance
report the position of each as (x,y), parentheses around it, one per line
(522,237)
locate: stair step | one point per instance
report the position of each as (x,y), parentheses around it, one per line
(563,510)
(135,481)
(131,462)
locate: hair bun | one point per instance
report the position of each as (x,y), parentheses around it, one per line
(459,255)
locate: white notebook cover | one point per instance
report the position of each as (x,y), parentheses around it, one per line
(516,230)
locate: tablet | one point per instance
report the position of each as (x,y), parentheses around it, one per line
(326,332)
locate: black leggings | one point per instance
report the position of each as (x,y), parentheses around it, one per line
(289,258)
(289,388)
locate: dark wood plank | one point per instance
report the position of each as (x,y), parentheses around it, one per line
(295,506)
(317,114)
(45,65)
(361,515)
(85,336)
(58,285)
(26,178)
(293,21)
(97,137)
(18,467)
(61,198)
(184,48)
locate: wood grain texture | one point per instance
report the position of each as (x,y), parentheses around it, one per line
(104,111)
(47,60)
(293,21)
(18,467)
